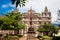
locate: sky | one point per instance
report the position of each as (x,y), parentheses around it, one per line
(37,5)
(5,6)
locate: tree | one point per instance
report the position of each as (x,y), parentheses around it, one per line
(11,21)
(48,29)
(6,24)
(1,22)
(15,19)
(19,2)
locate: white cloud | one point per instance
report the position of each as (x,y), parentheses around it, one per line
(8,5)
(11,5)
(4,6)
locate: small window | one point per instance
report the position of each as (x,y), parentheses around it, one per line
(49,22)
(35,22)
(39,22)
(44,22)
(42,14)
(39,17)
(49,14)
(49,18)
(45,14)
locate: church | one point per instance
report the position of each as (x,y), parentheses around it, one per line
(34,19)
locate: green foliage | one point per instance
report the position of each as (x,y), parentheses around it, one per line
(1,22)
(13,37)
(11,21)
(48,28)
(19,35)
(19,2)
(45,37)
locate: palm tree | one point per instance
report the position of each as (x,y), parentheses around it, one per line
(19,2)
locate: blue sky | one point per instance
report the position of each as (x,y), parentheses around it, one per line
(37,5)
(5,6)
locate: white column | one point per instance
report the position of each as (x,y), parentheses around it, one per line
(22,32)
(12,31)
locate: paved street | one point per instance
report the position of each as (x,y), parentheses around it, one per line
(25,38)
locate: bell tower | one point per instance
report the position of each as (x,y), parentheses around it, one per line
(46,9)
(46,15)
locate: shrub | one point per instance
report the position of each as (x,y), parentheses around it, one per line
(19,35)
(39,36)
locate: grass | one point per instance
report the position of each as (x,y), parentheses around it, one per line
(12,37)
(44,37)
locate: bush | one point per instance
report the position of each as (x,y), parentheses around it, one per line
(56,38)
(43,37)
(15,35)
(39,36)
(46,37)
(19,35)
(13,38)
